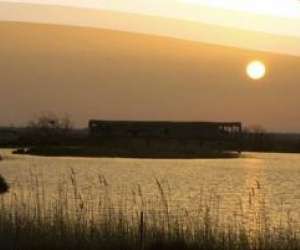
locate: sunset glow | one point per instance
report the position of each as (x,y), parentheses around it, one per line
(79,56)
(278,8)
(269,16)
(150,124)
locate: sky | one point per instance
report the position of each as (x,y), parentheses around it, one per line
(272,16)
(287,8)
(107,74)
(196,20)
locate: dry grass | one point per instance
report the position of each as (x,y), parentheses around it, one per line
(29,220)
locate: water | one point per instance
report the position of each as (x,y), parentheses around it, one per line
(268,180)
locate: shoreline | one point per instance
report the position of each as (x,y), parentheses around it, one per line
(98,152)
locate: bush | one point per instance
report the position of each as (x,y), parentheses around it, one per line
(48,129)
(3,185)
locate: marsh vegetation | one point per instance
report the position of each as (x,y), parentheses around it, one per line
(71,219)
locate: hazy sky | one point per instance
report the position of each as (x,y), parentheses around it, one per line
(105,74)
(287,8)
(282,20)
(274,16)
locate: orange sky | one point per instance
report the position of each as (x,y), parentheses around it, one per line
(102,74)
(106,74)
(287,31)
(277,8)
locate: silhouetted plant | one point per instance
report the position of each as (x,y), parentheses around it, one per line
(49,129)
(73,221)
(3,185)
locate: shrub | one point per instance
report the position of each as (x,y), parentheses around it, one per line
(3,185)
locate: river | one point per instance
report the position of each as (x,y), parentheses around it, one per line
(268,181)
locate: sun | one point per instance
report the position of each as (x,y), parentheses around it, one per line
(256,70)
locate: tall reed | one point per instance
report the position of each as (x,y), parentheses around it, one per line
(78,219)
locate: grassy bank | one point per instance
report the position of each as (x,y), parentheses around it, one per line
(33,219)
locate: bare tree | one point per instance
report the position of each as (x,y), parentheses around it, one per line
(48,128)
